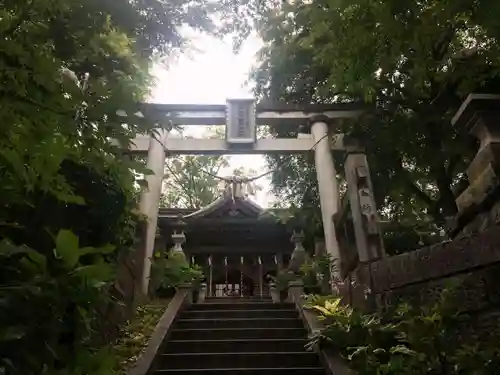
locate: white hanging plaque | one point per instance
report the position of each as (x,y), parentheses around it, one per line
(240,121)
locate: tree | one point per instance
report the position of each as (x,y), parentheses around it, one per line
(415,61)
(187,183)
(196,181)
(67,196)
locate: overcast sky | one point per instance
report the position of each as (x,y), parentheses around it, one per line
(209,74)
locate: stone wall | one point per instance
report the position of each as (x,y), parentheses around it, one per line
(471,258)
(420,275)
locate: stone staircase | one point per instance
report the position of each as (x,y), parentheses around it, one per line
(244,336)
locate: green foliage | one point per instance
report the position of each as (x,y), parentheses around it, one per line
(414,61)
(315,273)
(119,356)
(172,269)
(100,361)
(186,185)
(67,190)
(309,277)
(282,279)
(407,340)
(48,303)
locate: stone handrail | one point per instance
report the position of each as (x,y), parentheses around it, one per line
(183,297)
(331,360)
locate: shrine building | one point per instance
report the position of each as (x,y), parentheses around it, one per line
(236,242)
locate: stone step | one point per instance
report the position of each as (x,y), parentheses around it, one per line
(238,360)
(239,298)
(239,323)
(235,346)
(240,337)
(225,301)
(242,306)
(244,371)
(238,333)
(266,314)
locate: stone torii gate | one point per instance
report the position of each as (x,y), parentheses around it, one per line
(241,117)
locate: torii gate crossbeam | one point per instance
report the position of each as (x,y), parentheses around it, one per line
(193,146)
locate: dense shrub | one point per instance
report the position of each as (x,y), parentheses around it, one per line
(172,269)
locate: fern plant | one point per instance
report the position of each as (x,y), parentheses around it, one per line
(407,340)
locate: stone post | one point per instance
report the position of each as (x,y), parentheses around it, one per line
(295,290)
(327,185)
(149,204)
(188,288)
(279,261)
(202,293)
(275,293)
(365,217)
(480,116)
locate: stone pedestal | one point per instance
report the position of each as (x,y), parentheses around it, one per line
(480,116)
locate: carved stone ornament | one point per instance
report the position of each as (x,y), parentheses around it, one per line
(179,239)
(298,239)
(299,255)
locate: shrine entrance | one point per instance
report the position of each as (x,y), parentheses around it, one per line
(234,241)
(235,284)
(241,118)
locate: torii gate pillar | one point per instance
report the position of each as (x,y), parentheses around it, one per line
(327,187)
(149,203)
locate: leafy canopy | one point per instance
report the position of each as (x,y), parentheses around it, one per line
(415,61)
(67,191)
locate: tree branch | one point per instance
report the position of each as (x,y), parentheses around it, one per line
(179,183)
(424,197)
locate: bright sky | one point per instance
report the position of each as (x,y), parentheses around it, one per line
(209,74)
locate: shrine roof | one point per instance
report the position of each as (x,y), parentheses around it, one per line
(227,223)
(226,207)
